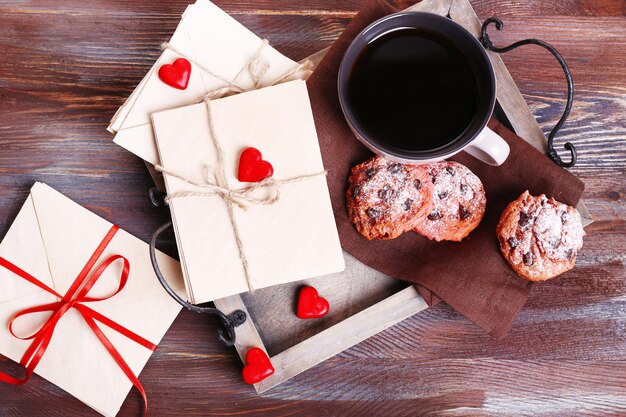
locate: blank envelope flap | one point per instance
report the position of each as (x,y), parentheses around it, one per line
(23,246)
(70,234)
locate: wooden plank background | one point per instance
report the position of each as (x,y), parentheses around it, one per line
(66,67)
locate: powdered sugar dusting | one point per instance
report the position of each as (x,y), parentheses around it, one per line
(459,202)
(392,189)
(387,196)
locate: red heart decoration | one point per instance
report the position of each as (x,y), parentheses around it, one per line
(252,168)
(177,74)
(258,366)
(311,305)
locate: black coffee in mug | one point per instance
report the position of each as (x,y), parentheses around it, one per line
(418,88)
(413,89)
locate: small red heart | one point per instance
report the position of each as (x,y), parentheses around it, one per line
(311,305)
(258,366)
(252,168)
(177,74)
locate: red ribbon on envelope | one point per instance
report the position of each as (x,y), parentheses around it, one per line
(75,297)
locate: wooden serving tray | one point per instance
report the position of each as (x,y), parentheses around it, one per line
(363,301)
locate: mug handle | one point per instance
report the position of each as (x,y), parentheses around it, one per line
(489,147)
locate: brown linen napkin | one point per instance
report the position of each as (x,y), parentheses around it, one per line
(471,276)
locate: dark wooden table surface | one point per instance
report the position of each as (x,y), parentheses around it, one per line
(66,67)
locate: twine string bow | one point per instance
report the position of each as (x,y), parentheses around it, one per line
(256,67)
(216,185)
(242,197)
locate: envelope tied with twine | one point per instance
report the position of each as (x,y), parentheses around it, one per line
(234,237)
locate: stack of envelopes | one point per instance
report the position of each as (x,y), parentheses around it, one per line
(228,247)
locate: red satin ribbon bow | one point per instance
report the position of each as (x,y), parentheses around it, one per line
(74,298)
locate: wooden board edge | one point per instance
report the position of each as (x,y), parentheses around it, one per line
(316,58)
(343,335)
(247,335)
(440,7)
(585,215)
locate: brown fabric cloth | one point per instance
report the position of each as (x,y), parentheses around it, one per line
(471,276)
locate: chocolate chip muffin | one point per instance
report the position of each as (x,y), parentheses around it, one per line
(540,237)
(458,203)
(387,198)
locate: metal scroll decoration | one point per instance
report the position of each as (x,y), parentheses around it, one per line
(229,322)
(552,154)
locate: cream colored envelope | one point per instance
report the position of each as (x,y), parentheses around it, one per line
(52,238)
(293,239)
(206,35)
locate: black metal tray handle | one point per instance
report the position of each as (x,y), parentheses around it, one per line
(229,322)
(552,154)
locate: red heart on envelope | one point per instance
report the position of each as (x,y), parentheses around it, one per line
(258,366)
(311,305)
(252,167)
(177,74)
